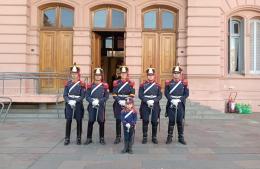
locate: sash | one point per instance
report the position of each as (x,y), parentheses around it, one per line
(146,90)
(175,87)
(122,87)
(72,87)
(95,88)
(128,114)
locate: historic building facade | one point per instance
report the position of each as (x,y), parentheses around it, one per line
(216,42)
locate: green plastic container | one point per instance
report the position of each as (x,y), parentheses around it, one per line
(243,108)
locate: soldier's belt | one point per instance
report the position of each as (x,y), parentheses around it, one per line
(150,96)
(122,95)
(74,96)
(175,97)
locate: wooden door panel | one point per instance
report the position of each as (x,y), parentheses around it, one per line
(167,56)
(64,54)
(167,53)
(47,56)
(56,54)
(150,52)
(95,52)
(159,51)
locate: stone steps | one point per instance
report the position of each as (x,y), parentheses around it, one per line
(193,111)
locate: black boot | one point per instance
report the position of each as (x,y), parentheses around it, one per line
(67,132)
(89,134)
(79,131)
(154,133)
(145,129)
(125,147)
(180,134)
(101,133)
(170,133)
(118,132)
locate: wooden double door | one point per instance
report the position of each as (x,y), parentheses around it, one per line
(159,51)
(55,57)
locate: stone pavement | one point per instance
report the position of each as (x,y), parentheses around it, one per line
(212,144)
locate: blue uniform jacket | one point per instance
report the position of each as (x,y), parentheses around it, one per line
(102,94)
(127,91)
(78,94)
(154,93)
(131,119)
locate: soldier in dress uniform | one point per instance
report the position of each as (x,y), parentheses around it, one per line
(129,118)
(97,94)
(150,95)
(176,92)
(74,93)
(122,89)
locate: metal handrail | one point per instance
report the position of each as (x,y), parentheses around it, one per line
(2,108)
(57,104)
(9,102)
(36,77)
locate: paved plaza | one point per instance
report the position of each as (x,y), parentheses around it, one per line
(212,144)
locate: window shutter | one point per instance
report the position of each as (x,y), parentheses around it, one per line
(252,46)
(241,49)
(257,46)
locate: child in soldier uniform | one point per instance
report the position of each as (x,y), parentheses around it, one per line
(128,118)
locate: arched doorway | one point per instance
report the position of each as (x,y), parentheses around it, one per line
(159,41)
(56,43)
(108,40)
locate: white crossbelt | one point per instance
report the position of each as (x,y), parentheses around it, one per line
(122,87)
(72,87)
(128,114)
(95,88)
(175,87)
(146,90)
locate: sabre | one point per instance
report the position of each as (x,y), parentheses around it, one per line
(176,111)
(151,112)
(159,123)
(73,111)
(133,136)
(97,108)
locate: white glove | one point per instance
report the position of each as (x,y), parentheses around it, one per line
(128,125)
(175,102)
(150,103)
(121,102)
(72,103)
(95,102)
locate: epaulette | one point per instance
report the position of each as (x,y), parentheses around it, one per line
(142,84)
(158,85)
(115,83)
(66,83)
(82,84)
(131,83)
(185,82)
(106,86)
(88,86)
(167,82)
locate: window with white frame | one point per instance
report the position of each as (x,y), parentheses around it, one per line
(236,46)
(255,46)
